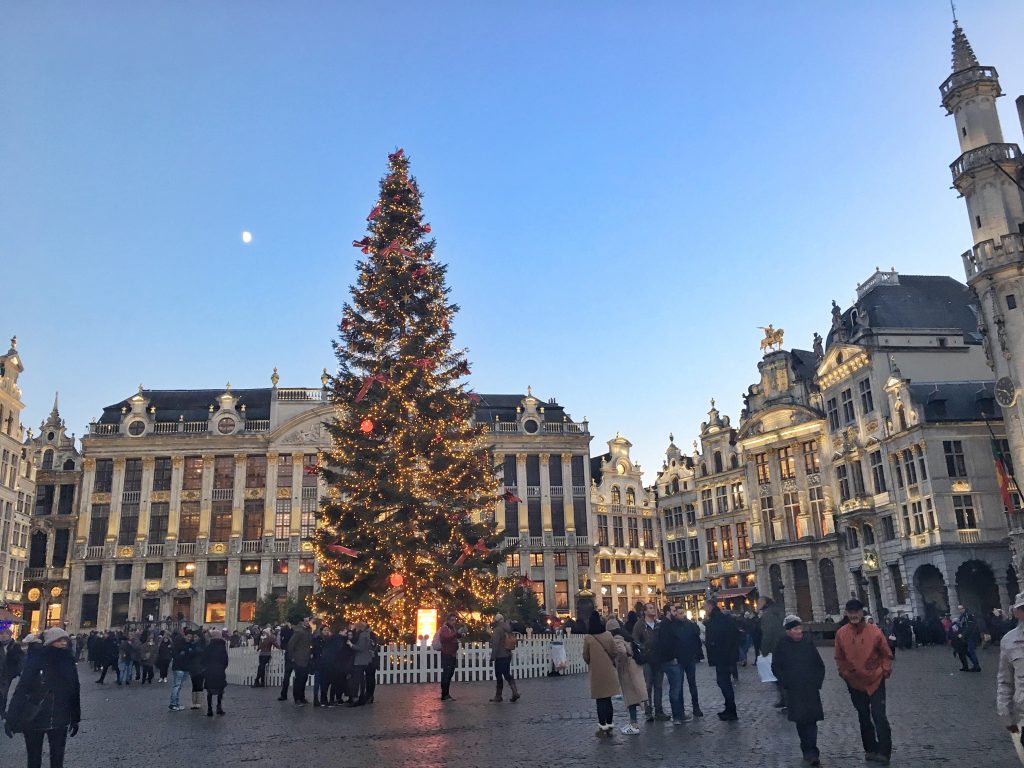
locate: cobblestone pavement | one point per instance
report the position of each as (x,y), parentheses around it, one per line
(939,717)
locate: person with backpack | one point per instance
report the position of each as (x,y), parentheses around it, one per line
(503,642)
(630,672)
(447,642)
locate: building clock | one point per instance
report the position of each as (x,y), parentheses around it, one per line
(1006,392)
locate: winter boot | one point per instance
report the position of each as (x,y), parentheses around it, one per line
(497,693)
(515,691)
(197,699)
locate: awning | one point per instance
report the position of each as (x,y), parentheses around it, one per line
(729,594)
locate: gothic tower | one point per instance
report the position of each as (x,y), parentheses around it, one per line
(989,175)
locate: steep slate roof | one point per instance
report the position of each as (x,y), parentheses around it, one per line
(919,301)
(193,404)
(805,364)
(957,401)
(505,408)
(595,466)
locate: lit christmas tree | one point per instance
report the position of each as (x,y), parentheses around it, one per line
(408,522)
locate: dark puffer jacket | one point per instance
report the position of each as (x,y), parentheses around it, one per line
(798,666)
(48,695)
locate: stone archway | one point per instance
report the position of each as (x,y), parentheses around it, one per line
(829,590)
(931,588)
(777,587)
(976,587)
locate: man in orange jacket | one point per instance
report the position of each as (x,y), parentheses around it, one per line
(864,661)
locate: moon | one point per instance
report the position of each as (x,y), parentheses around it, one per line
(247,237)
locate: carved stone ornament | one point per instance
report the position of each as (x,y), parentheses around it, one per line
(89,464)
(313,434)
(160,496)
(126,551)
(872,425)
(101,498)
(218,548)
(254,493)
(765,489)
(192,495)
(177,461)
(789,486)
(284,493)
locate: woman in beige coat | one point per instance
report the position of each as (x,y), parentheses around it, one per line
(631,676)
(599,654)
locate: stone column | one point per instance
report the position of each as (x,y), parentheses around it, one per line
(296,499)
(270,499)
(817,595)
(85,501)
(206,496)
(106,595)
(569,505)
(136,588)
(522,493)
(545,492)
(148,466)
(116,494)
(238,502)
(231,599)
(177,473)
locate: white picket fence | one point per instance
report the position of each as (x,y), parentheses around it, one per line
(401,663)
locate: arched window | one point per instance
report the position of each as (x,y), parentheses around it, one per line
(69,464)
(47,459)
(616,495)
(675,485)
(718,461)
(630,497)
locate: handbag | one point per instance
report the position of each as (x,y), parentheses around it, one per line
(509,642)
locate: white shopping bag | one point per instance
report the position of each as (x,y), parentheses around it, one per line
(764,668)
(558,656)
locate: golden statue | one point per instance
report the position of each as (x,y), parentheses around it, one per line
(772,337)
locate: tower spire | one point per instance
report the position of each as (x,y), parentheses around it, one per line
(963,54)
(56,410)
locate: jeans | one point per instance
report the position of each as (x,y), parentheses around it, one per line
(288,669)
(653,675)
(371,679)
(605,713)
(690,671)
(299,685)
(177,682)
(874,727)
(970,650)
(674,673)
(126,672)
(261,673)
(503,671)
(723,676)
(448,664)
(808,733)
(319,684)
(103,671)
(58,738)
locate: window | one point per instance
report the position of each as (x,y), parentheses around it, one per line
(119,608)
(66,502)
(252,519)
(536,559)
(677,555)
(103,480)
(963,508)
(768,518)
(810,451)
(712,544)
(726,533)
(247,605)
(852,541)
(738,500)
(561,560)
(888,529)
(648,533)
(123,572)
(129,527)
(216,606)
(250,567)
(787,464)
(93,572)
(832,409)
(583,559)
(695,553)
(922,465)
(220,521)
(192,477)
(47,459)
(284,470)
(707,506)
(867,402)
(635,567)
(897,471)
(307,517)
(721,500)
(184,569)
(255,471)
(908,467)
(620,565)
(602,530)
(283,519)
(761,464)
(217,568)
(98,524)
(877,471)
(849,414)
(634,533)
(133,475)
(306,564)
(898,585)
(918,516)
(930,510)
(630,497)
(650,567)
(309,475)
(791,509)
(857,476)
(616,495)
(869,535)
(162,473)
(605,565)
(691,515)
(154,570)
(281,566)
(1011,301)
(906,520)
(44,499)
(224,472)
(188,522)
(617,538)
(561,595)
(956,465)
(842,475)
(512,560)
(90,609)
(742,541)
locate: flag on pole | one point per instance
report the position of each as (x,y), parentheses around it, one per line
(1002,476)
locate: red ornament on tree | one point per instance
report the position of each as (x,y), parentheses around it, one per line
(373,213)
(464,368)
(425,228)
(366,426)
(396,154)
(345,323)
(381,304)
(418,273)
(396,580)
(396,198)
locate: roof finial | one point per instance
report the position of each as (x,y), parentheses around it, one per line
(56,397)
(140,388)
(529,391)
(14,342)
(274,378)
(963,54)
(952,4)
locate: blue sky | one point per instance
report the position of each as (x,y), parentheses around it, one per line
(623,191)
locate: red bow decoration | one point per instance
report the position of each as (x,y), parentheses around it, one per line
(511,498)
(396,154)
(396,198)
(437,438)
(474,398)
(312,469)
(425,363)
(345,323)
(363,244)
(367,383)
(464,368)
(427,255)
(468,550)
(425,228)
(373,213)
(339,549)
(525,581)
(394,247)
(418,273)
(408,184)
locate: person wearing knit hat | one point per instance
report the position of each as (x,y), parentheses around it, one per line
(798,667)
(53,634)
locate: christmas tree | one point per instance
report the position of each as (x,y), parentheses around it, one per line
(408,519)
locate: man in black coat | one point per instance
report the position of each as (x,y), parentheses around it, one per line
(798,667)
(678,647)
(11,660)
(722,639)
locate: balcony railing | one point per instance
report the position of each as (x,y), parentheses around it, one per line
(309,492)
(557,490)
(533,491)
(970,75)
(186,547)
(155,550)
(252,546)
(535,542)
(95,553)
(104,429)
(714,569)
(582,541)
(744,565)
(35,573)
(579,490)
(281,545)
(506,426)
(969,536)
(165,427)
(510,541)
(560,541)
(223,494)
(131,497)
(300,395)
(982,156)
(257,425)
(1009,249)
